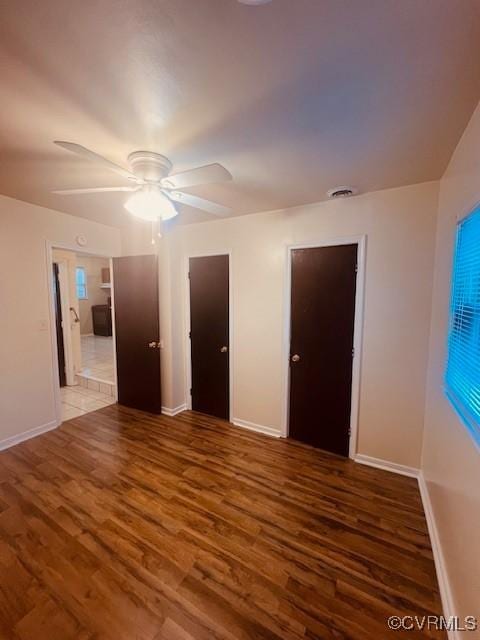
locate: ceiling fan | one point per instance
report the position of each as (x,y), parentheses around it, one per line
(153,188)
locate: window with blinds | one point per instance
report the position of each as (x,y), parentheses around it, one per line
(463,364)
(81,283)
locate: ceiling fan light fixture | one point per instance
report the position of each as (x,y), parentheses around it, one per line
(149,203)
(153,194)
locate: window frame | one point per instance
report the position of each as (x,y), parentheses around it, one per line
(81,284)
(463,411)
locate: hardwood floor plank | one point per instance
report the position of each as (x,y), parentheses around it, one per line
(123,525)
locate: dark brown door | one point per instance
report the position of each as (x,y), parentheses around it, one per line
(321,345)
(58,326)
(137,332)
(209,335)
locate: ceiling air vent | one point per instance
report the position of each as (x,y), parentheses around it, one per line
(341,192)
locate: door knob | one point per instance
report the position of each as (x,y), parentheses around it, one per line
(296,358)
(224,349)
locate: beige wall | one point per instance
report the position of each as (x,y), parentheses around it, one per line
(451,460)
(26,363)
(96,295)
(400,225)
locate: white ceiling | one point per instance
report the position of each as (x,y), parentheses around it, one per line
(293,97)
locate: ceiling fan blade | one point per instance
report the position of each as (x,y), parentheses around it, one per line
(94,157)
(199,203)
(201,175)
(68,192)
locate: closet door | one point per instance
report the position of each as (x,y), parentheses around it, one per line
(209,335)
(321,345)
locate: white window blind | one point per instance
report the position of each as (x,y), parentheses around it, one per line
(463,364)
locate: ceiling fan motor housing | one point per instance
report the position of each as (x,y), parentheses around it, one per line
(148,165)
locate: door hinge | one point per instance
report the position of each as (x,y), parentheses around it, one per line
(349,432)
(191,391)
(353,353)
(356,268)
(190,335)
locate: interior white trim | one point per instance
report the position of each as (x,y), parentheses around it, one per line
(361,242)
(386,465)
(260,428)
(438,557)
(49,247)
(188,354)
(27,435)
(173,412)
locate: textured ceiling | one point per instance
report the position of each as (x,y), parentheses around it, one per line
(293,97)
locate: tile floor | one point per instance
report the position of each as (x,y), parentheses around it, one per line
(97,357)
(78,400)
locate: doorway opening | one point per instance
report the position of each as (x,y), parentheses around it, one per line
(93,287)
(84,332)
(323,349)
(109,347)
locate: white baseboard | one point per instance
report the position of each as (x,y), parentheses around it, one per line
(173,412)
(440,567)
(27,435)
(259,428)
(386,465)
(439,559)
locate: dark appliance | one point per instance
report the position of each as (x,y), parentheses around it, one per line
(102,319)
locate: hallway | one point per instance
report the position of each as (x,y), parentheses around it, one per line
(97,357)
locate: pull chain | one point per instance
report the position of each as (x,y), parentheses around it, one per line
(156,230)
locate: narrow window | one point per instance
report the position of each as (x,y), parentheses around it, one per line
(81,282)
(463,364)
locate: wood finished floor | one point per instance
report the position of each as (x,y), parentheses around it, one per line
(120,525)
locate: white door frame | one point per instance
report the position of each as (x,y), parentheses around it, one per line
(188,352)
(361,242)
(49,247)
